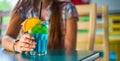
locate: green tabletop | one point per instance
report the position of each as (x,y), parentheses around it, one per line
(52,55)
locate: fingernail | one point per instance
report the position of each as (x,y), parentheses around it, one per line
(34,43)
(31,49)
(34,46)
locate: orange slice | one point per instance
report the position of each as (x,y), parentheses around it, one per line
(30,23)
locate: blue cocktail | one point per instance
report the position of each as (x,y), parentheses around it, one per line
(40,33)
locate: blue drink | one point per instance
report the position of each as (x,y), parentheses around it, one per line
(40,33)
(41,46)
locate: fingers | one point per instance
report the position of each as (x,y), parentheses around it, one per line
(26,43)
(21,47)
(27,38)
(26,49)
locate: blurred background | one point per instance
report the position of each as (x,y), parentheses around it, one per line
(113,15)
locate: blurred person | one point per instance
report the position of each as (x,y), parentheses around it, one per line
(62,17)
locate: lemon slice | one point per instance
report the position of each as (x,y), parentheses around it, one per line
(30,23)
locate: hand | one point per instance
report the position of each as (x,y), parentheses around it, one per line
(25,44)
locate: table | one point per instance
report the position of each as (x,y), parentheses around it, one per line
(52,55)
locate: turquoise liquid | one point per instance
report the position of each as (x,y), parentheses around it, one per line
(41,46)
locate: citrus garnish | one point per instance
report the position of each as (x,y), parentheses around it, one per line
(30,23)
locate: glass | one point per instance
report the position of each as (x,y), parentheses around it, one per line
(40,33)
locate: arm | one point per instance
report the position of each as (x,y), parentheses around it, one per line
(71,27)
(12,31)
(71,32)
(25,42)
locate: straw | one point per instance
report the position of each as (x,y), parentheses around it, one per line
(40,10)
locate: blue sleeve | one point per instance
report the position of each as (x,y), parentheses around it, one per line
(70,11)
